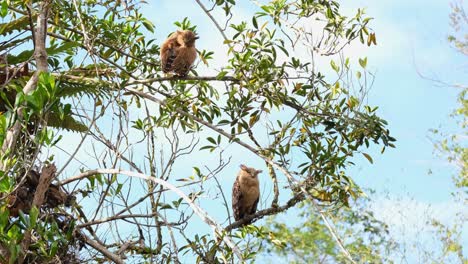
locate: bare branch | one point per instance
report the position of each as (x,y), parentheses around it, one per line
(118,217)
(200,212)
(102,249)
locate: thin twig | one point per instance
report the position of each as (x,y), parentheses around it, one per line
(119,217)
(212,19)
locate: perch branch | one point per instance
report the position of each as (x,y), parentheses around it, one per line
(262,213)
(186,78)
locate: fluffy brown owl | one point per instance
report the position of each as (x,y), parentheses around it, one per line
(178,52)
(245,192)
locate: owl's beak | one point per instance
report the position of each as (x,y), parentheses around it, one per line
(196,37)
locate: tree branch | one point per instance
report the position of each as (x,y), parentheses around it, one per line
(119,217)
(186,78)
(207,12)
(262,213)
(40,55)
(217,229)
(102,249)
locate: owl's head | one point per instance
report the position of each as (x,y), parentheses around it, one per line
(250,171)
(186,37)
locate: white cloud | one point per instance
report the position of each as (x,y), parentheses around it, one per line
(410,224)
(406,212)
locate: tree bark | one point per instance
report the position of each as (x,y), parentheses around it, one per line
(40,54)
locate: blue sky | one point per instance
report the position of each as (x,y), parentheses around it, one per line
(416,40)
(411,37)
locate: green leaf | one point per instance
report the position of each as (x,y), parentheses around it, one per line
(119,188)
(52,51)
(368,157)
(334,66)
(148,25)
(3,129)
(206,147)
(4,9)
(358,74)
(453,247)
(3,219)
(211,140)
(18,24)
(284,50)
(67,122)
(363,62)
(5,183)
(166,206)
(33,213)
(221,75)
(53,248)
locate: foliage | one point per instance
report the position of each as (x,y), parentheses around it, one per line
(102,77)
(451,241)
(310,242)
(454,146)
(459,23)
(368,238)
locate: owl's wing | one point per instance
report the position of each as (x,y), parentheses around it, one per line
(237,200)
(254,206)
(168,52)
(184,60)
(168,56)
